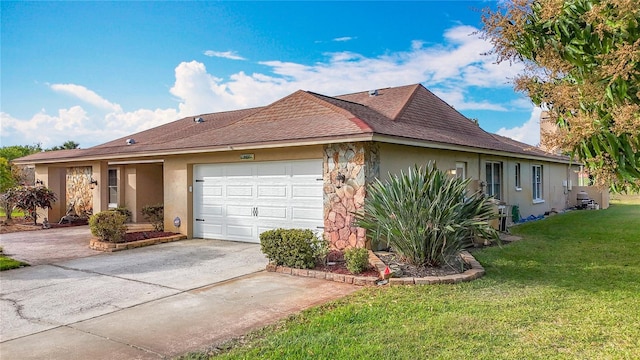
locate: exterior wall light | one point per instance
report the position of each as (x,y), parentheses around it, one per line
(340,179)
(39,182)
(93,183)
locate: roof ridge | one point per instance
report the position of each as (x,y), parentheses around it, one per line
(408,101)
(315,97)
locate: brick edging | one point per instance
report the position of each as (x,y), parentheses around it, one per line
(476,272)
(96,244)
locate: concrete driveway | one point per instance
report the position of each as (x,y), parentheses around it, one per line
(47,246)
(148,303)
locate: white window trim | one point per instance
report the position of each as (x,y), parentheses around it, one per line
(461,165)
(540,198)
(518,177)
(109,187)
(500,179)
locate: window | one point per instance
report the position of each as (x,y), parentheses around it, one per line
(536,177)
(113,188)
(518,177)
(494,179)
(461,170)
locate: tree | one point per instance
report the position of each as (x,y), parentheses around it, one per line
(11,176)
(30,198)
(8,202)
(69,144)
(582,62)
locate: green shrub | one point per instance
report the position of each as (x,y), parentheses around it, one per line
(124,211)
(295,248)
(155,215)
(357,259)
(426,216)
(108,226)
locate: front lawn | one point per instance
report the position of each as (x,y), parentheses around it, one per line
(569,290)
(7,263)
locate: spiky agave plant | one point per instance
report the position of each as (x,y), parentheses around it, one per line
(425,215)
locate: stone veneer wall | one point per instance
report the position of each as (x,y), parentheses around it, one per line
(79,192)
(359,162)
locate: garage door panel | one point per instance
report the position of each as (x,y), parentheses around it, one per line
(240,231)
(215,191)
(306,168)
(213,230)
(201,172)
(272,170)
(302,191)
(240,211)
(239,170)
(266,191)
(240,191)
(272,212)
(212,210)
(306,214)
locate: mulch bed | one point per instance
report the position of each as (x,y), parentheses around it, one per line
(143,235)
(456,266)
(337,265)
(340,267)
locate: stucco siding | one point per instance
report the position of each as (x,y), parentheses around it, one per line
(396,158)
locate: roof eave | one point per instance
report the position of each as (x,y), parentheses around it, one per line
(210,149)
(453,147)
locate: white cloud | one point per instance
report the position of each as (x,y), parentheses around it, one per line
(86,95)
(344,39)
(452,70)
(529,132)
(232,55)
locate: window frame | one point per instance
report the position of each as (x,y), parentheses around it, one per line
(491,184)
(112,188)
(537,183)
(518,176)
(461,165)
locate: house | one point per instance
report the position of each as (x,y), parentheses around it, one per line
(302,161)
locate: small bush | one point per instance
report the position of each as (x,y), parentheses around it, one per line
(124,211)
(357,259)
(295,248)
(155,215)
(108,226)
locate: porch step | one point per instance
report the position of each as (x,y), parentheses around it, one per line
(132,227)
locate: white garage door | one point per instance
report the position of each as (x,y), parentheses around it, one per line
(239,201)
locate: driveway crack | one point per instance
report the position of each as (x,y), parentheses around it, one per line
(18,308)
(116,277)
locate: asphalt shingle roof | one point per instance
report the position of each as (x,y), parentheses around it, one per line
(407,112)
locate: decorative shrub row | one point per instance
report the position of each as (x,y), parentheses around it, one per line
(296,248)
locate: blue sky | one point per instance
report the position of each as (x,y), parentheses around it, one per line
(94,71)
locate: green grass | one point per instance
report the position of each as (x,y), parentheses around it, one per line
(569,290)
(14,214)
(7,263)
